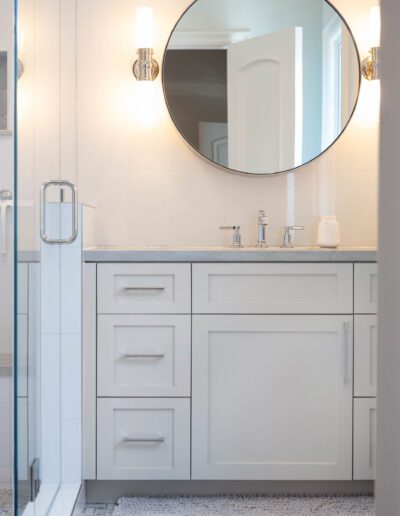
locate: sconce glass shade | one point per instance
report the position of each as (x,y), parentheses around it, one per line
(145,68)
(375,26)
(370,65)
(144,27)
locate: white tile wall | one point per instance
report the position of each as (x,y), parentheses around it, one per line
(148,186)
(61,351)
(151,188)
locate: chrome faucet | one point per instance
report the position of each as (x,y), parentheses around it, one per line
(262,229)
(288,235)
(236,238)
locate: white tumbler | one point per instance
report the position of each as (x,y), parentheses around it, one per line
(328,232)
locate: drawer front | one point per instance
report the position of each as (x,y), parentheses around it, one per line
(143,439)
(365,355)
(144,355)
(144,288)
(290,288)
(364,439)
(365,288)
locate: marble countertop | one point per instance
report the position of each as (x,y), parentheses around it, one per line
(226,254)
(28,256)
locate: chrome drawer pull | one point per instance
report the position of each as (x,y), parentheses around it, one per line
(144,288)
(144,440)
(144,355)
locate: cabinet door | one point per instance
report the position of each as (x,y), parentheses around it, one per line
(365,288)
(272,397)
(364,438)
(365,355)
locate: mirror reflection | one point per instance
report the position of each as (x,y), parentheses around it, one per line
(261,86)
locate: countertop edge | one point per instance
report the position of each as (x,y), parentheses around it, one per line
(232,256)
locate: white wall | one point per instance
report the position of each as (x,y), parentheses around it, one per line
(148,185)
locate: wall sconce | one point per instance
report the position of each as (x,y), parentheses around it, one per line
(145,68)
(370,65)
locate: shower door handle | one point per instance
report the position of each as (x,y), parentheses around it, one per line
(74,209)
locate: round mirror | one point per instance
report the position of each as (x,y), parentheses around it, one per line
(262,86)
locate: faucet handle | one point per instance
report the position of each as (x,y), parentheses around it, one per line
(236,238)
(290,228)
(288,236)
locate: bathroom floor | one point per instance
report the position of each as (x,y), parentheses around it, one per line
(6,502)
(321,506)
(97,509)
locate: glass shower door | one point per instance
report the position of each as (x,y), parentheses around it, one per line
(45,221)
(37,348)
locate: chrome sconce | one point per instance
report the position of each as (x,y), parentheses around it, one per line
(145,68)
(370,65)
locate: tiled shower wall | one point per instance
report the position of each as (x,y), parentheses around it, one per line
(81,117)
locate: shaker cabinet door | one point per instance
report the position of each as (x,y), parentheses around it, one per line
(365,355)
(272,397)
(364,438)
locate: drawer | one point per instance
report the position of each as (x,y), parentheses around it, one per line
(365,355)
(364,439)
(289,288)
(144,288)
(144,355)
(365,288)
(143,439)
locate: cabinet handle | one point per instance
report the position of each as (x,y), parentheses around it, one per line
(346,349)
(127,289)
(144,355)
(142,440)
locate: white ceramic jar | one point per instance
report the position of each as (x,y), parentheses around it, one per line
(328,232)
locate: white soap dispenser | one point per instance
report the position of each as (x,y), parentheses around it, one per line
(328,232)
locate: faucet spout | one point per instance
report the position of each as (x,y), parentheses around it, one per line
(262,230)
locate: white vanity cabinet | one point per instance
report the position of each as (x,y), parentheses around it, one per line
(272,397)
(229,371)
